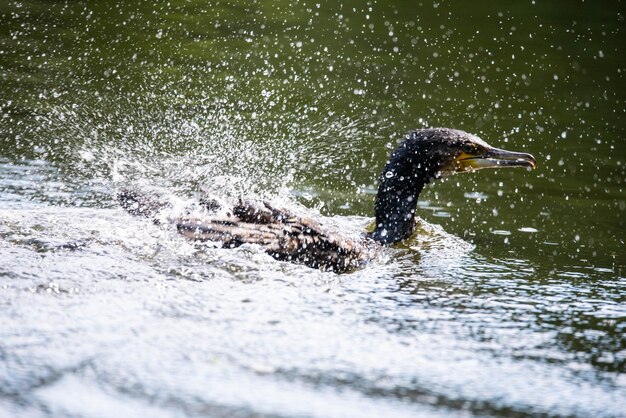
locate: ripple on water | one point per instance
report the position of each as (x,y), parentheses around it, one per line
(134,317)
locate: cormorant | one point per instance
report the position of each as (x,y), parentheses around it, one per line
(423,156)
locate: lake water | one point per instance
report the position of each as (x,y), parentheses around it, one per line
(508,302)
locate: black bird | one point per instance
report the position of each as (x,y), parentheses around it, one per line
(423,156)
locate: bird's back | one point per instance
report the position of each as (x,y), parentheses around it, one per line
(282,234)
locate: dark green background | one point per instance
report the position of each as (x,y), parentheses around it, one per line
(305,100)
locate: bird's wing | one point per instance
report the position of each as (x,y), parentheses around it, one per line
(283,234)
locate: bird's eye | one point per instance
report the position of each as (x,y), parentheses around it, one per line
(468,148)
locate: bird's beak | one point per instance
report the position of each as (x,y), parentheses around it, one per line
(494,158)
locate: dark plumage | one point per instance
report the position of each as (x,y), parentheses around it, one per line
(424,155)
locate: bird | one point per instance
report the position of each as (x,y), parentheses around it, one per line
(421,157)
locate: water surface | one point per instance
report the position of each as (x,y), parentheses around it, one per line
(509,301)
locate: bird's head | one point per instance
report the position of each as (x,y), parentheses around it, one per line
(448,151)
(424,155)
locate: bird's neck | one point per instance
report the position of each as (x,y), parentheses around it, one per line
(401,183)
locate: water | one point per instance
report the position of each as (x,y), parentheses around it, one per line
(508,302)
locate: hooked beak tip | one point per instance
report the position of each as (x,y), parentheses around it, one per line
(496,158)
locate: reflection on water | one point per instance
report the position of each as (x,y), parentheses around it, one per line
(508,301)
